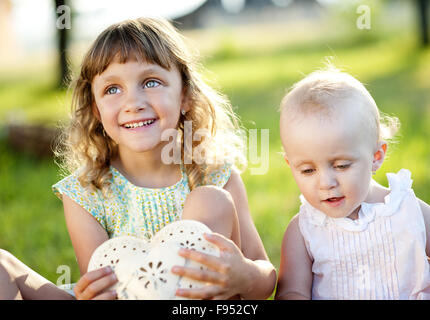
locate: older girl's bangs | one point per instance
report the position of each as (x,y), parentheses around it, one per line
(128,43)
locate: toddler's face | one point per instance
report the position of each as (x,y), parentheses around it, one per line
(136,101)
(331,160)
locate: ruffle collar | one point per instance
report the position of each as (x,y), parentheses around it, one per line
(399,184)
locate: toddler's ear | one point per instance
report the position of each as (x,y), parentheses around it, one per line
(286,159)
(379,155)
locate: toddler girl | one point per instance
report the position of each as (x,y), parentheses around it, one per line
(352,238)
(136,167)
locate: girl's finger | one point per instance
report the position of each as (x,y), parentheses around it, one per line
(89,277)
(108,295)
(205,293)
(208,260)
(97,286)
(204,276)
(220,241)
(222,297)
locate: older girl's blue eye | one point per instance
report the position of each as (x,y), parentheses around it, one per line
(112,90)
(152,84)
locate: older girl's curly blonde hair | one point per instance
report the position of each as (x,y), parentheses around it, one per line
(84,146)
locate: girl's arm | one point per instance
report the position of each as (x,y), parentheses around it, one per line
(86,235)
(261,274)
(295,271)
(243,268)
(85,232)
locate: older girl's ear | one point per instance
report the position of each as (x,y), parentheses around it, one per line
(186,100)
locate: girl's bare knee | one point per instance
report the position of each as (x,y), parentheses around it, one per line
(5,268)
(5,257)
(9,263)
(210,195)
(214,207)
(211,199)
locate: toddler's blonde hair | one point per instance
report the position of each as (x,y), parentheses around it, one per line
(86,148)
(322,91)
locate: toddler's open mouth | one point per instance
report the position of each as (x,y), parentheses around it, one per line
(334,201)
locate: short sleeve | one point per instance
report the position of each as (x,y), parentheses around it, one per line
(220,176)
(86,198)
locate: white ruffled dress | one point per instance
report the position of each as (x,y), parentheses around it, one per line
(380,255)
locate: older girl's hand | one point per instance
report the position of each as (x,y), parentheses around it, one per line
(226,277)
(94,284)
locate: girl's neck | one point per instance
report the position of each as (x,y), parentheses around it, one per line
(147,170)
(376,194)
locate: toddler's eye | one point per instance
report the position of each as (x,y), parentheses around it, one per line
(112,90)
(343,166)
(308,171)
(152,84)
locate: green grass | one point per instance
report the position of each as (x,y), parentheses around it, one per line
(255,78)
(32,221)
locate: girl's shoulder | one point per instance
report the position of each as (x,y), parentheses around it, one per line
(399,183)
(89,199)
(219,176)
(388,201)
(71,186)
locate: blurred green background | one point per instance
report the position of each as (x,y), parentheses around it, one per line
(253,65)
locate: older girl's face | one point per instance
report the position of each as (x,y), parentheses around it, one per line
(136,102)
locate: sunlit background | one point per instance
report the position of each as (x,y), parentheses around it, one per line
(253,50)
(32,21)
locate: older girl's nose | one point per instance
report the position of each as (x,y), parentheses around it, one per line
(135,100)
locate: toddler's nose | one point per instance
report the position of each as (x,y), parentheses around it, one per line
(327,180)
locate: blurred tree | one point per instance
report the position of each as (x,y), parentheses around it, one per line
(196,18)
(258,3)
(63,25)
(422,6)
